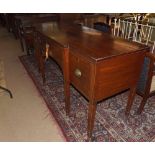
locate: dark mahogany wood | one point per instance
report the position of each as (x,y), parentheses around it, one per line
(95,63)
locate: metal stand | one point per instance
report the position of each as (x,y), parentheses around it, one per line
(7,90)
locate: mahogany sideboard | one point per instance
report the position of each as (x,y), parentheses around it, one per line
(95,63)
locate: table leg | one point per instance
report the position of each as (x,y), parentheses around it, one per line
(37,57)
(147,89)
(42,68)
(91,118)
(66,80)
(142,104)
(130,100)
(21,43)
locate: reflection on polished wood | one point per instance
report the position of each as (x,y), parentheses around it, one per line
(99,66)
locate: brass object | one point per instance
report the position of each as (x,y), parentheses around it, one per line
(47,51)
(78,73)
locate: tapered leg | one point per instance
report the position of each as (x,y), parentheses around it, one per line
(21,43)
(27,48)
(130,100)
(66,80)
(37,59)
(15,33)
(142,104)
(145,97)
(29,45)
(91,118)
(42,68)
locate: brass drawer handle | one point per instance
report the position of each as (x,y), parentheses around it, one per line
(77,73)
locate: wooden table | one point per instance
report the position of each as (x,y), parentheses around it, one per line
(96,64)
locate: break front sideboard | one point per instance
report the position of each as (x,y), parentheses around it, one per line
(96,64)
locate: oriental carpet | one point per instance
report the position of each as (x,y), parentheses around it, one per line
(111,125)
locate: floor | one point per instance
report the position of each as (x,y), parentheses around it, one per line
(25,117)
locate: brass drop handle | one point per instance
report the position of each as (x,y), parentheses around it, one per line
(77,73)
(47,51)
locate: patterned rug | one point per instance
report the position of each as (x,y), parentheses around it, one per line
(110,123)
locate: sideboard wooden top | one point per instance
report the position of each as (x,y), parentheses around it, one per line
(88,42)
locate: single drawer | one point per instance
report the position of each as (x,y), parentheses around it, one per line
(56,52)
(80,71)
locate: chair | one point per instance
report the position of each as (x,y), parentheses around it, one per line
(28,38)
(143,34)
(25,36)
(2,81)
(25,27)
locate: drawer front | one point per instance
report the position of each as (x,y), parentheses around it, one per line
(56,52)
(80,74)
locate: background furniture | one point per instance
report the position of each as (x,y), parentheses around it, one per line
(25,31)
(7,90)
(2,79)
(102,27)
